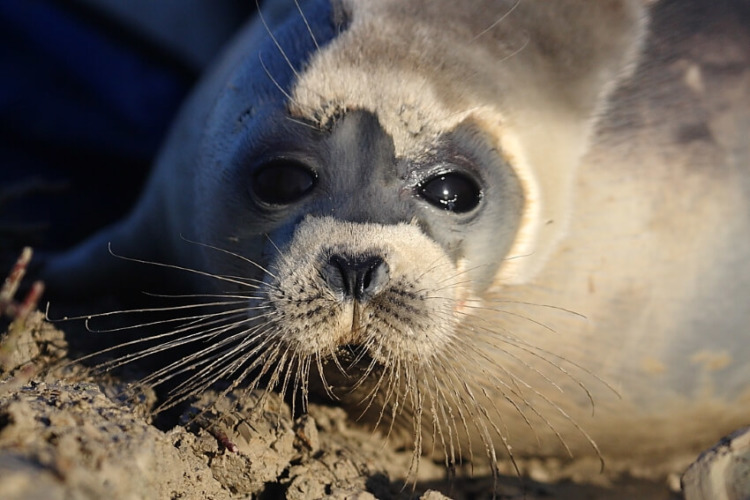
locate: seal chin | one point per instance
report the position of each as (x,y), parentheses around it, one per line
(388,289)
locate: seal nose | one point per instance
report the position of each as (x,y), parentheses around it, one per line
(358,277)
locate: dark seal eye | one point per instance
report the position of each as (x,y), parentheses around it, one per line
(280,182)
(452,191)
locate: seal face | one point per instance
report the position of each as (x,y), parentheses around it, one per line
(370,256)
(344,284)
(464,220)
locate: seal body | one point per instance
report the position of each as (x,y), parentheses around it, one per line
(473,223)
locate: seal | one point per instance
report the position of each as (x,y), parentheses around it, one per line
(470,223)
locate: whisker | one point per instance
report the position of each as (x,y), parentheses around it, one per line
(191,325)
(214,362)
(541,354)
(233,254)
(132,311)
(201,335)
(172,266)
(275,40)
(496,22)
(273,80)
(307,24)
(302,122)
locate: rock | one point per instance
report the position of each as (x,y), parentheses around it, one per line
(722,472)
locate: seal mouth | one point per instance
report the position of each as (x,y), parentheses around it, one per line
(354,357)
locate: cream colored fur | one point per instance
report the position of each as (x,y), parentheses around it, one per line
(423,77)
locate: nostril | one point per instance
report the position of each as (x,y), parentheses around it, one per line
(371,274)
(366,279)
(356,277)
(372,278)
(336,275)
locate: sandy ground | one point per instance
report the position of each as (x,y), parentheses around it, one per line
(67,434)
(71,431)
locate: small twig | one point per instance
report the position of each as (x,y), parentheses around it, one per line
(8,306)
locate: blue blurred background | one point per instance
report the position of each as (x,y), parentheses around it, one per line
(87,92)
